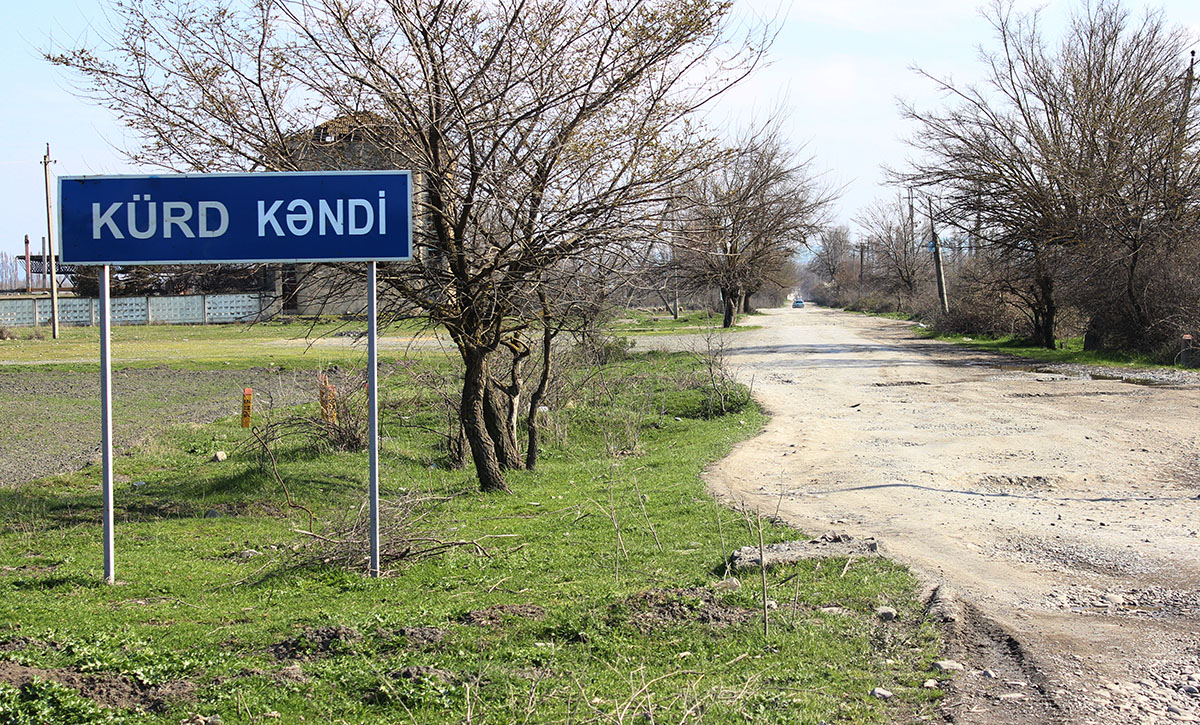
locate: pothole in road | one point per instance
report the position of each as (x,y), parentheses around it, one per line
(1025,483)
(1074,556)
(1152,601)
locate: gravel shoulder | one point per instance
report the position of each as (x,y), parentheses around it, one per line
(1057,510)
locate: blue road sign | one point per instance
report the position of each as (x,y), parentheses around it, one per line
(342,216)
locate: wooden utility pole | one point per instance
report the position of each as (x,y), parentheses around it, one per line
(50,243)
(937,263)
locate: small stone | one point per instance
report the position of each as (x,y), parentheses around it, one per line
(1191,689)
(695,545)
(219,456)
(1174,710)
(138,484)
(887,614)
(1013,696)
(249,554)
(772,604)
(990,674)
(1111,598)
(948,666)
(677,419)
(212,514)
(881,693)
(930,684)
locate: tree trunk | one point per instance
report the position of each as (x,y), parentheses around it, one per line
(535,400)
(729,306)
(1044,320)
(471,412)
(746,303)
(500,423)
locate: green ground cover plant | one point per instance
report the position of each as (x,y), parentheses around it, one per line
(1070,350)
(645,322)
(586,595)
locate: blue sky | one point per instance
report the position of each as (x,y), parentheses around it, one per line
(836,70)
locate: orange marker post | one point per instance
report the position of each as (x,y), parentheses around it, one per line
(247,405)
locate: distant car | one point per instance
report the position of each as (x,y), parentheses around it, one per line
(797,303)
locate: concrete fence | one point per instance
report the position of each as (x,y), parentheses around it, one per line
(181,309)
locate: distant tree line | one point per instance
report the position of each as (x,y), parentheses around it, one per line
(1063,189)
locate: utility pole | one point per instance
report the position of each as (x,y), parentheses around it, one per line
(50,242)
(862,250)
(28,269)
(937,263)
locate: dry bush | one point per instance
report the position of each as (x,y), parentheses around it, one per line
(406,535)
(436,390)
(340,424)
(6,333)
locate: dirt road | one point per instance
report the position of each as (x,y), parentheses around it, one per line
(1060,511)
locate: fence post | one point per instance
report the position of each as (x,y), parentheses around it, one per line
(1185,353)
(204,308)
(148,309)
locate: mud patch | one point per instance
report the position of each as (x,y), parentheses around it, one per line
(658,608)
(317,642)
(1001,683)
(114,691)
(495,615)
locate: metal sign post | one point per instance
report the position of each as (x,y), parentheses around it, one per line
(347,216)
(373,411)
(106,427)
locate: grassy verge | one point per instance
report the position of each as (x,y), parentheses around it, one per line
(642,322)
(586,596)
(1070,350)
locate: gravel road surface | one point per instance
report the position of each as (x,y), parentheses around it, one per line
(1054,515)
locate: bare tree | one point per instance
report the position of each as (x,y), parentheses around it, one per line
(831,259)
(901,261)
(745,220)
(1066,162)
(540,132)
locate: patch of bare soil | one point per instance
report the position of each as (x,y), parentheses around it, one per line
(420,637)
(52,417)
(316,642)
(1059,503)
(495,615)
(115,691)
(658,608)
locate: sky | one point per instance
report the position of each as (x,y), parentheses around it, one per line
(836,71)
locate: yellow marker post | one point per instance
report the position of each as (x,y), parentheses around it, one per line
(247,404)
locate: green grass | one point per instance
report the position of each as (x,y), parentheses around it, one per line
(300,344)
(1070,350)
(615,510)
(642,322)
